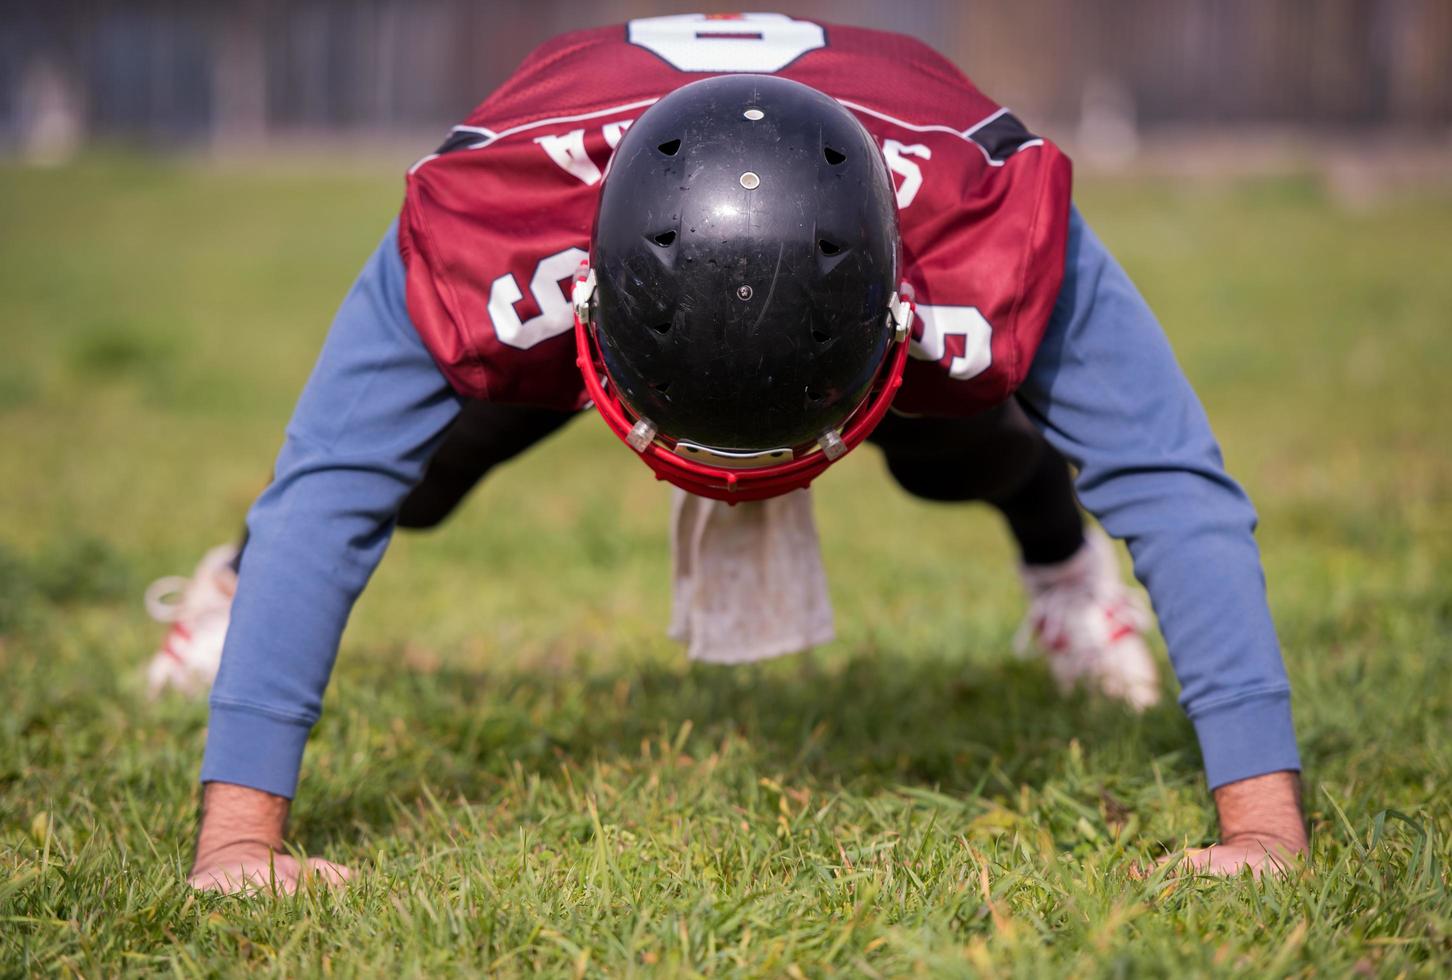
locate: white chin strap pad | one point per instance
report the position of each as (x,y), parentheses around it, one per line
(748,582)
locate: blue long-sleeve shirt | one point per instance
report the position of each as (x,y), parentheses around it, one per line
(1104,387)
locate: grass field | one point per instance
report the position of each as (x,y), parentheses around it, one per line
(531,778)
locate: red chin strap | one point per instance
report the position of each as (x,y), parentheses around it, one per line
(759,483)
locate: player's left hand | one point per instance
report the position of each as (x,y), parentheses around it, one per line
(1260,853)
(1262,829)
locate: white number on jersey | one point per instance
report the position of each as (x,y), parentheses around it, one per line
(555,313)
(958,337)
(735,42)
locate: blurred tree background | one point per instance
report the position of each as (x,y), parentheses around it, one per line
(1109,79)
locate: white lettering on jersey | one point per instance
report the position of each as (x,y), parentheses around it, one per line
(957,337)
(912,175)
(568,150)
(729,42)
(555,313)
(613,132)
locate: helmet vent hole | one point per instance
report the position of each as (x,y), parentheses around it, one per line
(820,336)
(670,147)
(834,157)
(660,387)
(814,394)
(828,248)
(664,239)
(661,328)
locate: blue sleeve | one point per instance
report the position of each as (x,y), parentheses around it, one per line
(373,411)
(1109,395)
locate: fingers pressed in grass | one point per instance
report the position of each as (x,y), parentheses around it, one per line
(282,875)
(1227,860)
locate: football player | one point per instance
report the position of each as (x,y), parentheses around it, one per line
(752,243)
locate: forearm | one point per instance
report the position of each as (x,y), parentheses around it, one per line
(1107,390)
(363,431)
(300,576)
(1190,534)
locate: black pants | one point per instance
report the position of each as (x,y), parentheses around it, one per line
(997,457)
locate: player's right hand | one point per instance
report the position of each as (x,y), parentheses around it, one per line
(260,869)
(239,846)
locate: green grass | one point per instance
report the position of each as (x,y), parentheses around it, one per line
(531,778)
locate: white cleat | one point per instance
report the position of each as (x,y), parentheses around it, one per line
(1090,625)
(198,609)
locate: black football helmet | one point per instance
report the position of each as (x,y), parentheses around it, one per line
(743,300)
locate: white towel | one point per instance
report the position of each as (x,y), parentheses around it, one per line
(748,581)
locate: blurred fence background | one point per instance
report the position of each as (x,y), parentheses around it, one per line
(268,73)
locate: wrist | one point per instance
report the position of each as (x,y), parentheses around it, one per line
(238,822)
(1263,809)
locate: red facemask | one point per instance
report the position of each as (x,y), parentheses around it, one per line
(735,484)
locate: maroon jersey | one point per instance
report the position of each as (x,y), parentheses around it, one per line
(495,223)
